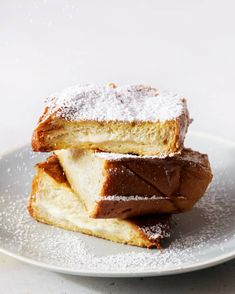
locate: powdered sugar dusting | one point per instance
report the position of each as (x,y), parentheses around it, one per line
(185,155)
(127,103)
(207,230)
(132,198)
(118,156)
(153,232)
(188,156)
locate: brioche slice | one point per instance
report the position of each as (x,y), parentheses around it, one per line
(53,202)
(123,186)
(130,119)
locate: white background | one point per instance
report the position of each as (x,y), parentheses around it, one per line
(183,46)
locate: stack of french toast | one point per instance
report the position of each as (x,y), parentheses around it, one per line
(119,168)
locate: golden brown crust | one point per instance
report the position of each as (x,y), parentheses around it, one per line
(139,224)
(120,180)
(151,221)
(178,181)
(38,137)
(132,208)
(53,168)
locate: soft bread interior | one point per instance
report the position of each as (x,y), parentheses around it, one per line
(85,173)
(144,138)
(53,202)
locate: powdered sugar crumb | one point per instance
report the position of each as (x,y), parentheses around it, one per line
(127,103)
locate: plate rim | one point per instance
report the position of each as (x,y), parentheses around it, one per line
(104,274)
(125,274)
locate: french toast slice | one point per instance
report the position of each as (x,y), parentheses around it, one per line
(129,119)
(122,186)
(53,202)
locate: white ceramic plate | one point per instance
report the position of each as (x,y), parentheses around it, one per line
(202,238)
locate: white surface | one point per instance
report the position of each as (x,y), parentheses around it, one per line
(23,279)
(184,46)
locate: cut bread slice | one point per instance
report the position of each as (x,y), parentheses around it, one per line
(123,186)
(130,119)
(53,202)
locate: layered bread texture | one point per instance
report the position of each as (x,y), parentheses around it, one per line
(123,186)
(53,202)
(133,119)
